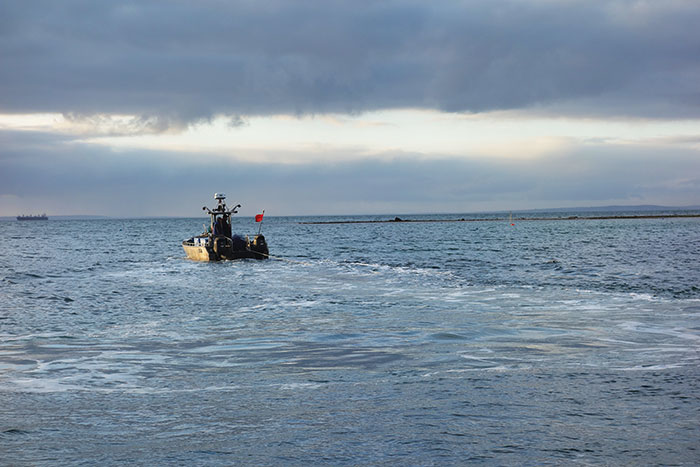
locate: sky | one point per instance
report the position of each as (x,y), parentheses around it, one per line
(310,107)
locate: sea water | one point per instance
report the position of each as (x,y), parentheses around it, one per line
(561,342)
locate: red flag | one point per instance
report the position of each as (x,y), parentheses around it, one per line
(258,217)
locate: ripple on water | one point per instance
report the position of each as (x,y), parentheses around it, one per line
(511,346)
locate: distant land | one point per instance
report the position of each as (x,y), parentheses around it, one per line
(591,213)
(636,208)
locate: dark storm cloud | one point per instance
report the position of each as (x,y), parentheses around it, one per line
(171,62)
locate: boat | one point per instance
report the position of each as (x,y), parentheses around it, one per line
(217,243)
(41,217)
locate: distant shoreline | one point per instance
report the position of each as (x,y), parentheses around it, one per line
(398,220)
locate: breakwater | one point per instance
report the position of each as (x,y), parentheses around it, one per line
(504,219)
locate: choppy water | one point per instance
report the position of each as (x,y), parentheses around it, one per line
(564,342)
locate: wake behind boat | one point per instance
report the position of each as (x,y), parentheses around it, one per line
(217,242)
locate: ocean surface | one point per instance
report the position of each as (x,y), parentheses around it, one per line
(569,342)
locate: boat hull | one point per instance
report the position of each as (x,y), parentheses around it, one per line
(222,248)
(197,252)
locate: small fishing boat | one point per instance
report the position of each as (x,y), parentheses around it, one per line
(217,243)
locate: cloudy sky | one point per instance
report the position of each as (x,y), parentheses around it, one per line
(138,108)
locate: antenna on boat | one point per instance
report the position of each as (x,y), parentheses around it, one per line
(259,218)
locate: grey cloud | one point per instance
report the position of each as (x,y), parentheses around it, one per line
(174,62)
(56,175)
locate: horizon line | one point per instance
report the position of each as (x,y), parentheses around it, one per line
(499,211)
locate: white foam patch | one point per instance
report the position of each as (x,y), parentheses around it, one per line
(299,386)
(681,333)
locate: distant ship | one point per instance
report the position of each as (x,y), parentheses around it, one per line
(41,217)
